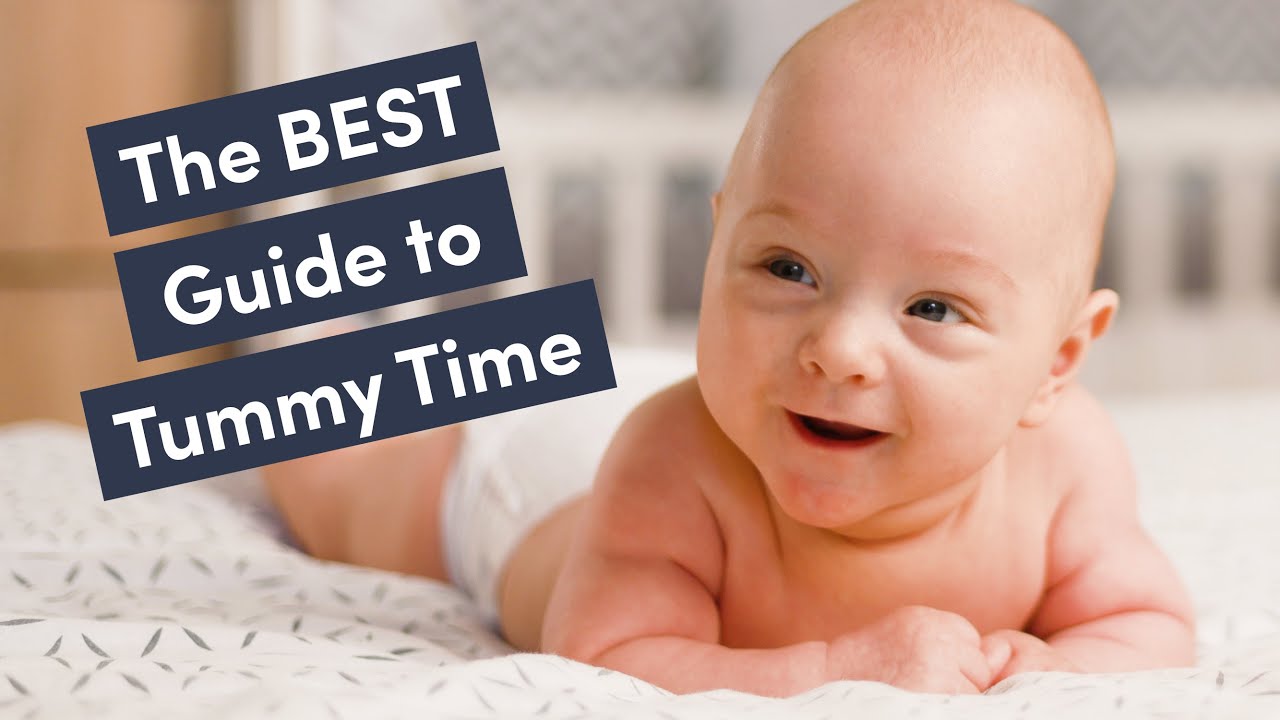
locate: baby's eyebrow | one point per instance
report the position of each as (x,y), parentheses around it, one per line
(770,207)
(967,260)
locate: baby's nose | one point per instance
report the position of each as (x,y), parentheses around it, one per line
(843,349)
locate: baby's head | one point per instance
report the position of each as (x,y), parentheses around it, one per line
(902,259)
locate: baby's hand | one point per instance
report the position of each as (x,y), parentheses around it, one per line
(1025,653)
(916,648)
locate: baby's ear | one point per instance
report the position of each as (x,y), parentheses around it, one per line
(1090,324)
(715,207)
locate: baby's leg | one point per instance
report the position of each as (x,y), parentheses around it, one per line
(376,504)
(530,573)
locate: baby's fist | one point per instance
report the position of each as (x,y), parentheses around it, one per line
(1024,653)
(914,648)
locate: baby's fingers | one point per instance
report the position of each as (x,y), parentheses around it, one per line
(1038,661)
(977,670)
(998,651)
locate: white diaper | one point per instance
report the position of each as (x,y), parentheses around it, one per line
(515,468)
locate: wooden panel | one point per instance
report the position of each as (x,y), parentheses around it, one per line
(68,65)
(64,66)
(62,341)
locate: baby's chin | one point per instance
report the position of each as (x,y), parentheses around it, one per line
(822,503)
(866,511)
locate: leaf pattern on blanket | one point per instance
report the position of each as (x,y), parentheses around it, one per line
(181,598)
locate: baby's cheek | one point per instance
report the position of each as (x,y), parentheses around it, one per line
(957,432)
(998,394)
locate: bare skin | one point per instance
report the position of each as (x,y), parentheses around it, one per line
(376,504)
(884,468)
(1050,546)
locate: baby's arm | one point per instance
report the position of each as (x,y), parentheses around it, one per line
(1113,601)
(638,589)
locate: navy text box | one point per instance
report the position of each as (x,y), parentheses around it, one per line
(480,202)
(530,319)
(252,117)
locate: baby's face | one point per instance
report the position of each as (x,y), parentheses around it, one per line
(882,300)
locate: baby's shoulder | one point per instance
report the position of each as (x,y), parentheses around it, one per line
(648,497)
(1080,436)
(667,432)
(671,448)
(1082,454)
(660,455)
(1096,542)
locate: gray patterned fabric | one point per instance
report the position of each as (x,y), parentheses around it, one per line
(571,46)
(1175,43)
(597,44)
(183,603)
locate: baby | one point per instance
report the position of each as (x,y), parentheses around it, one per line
(883,468)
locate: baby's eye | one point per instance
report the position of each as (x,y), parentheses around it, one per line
(790,270)
(935,311)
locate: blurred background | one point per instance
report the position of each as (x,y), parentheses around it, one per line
(616,119)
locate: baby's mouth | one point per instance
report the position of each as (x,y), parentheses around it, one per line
(838,431)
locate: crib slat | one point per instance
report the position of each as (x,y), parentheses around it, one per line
(530,185)
(1145,253)
(634,249)
(1241,224)
(1146,244)
(302,52)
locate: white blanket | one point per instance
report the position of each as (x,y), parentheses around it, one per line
(185,602)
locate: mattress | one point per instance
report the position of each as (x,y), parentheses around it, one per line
(191,602)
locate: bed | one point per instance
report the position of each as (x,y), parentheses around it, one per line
(191,602)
